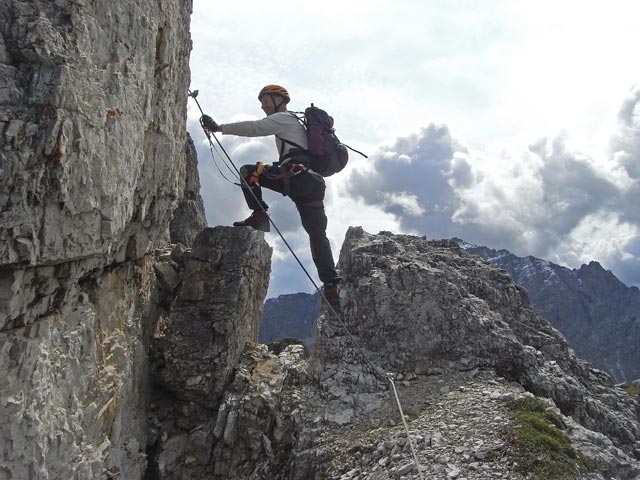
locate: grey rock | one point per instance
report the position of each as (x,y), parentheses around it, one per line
(172,454)
(600,450)
(77,377)
(189,217)
(456,307)
(480,455)
(453,472)
(343,417)
(405,469)
(93,137)
(252,428)
(216,312)
(92,165)
(169,276)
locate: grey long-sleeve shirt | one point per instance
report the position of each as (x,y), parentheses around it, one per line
(282,124)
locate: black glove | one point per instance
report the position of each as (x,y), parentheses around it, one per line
(207,122)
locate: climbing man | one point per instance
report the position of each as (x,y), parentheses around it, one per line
(290,176)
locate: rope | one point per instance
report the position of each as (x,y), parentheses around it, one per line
(377,371)
(211,149)
(406,427)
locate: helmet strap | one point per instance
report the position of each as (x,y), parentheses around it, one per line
(278,104)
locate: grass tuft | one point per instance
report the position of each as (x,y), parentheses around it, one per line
(543,449)
(633,390)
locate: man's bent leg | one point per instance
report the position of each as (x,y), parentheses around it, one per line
(253,193)
(253,196)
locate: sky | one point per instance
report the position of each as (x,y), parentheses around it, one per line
(510,124)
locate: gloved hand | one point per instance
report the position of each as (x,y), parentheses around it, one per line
(208,123)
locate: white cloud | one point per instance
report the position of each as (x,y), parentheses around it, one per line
(604,237)
(407,202)
(417,169)
(625,144)
(547,200)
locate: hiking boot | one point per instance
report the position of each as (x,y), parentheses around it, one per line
(332,294)
(257,220)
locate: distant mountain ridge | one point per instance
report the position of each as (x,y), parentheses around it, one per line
(596,312)
(290,315)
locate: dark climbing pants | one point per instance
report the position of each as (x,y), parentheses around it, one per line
(307,192)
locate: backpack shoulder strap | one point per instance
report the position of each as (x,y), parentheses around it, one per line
(296,115)
(299,116)
(293,144)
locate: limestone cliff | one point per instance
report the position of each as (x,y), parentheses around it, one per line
(92,166)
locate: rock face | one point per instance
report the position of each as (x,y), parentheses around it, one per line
(457,311)
(293,315)
(597,314)
(92,165)
(217,310)
(199,343)
(189,218)
(74,383)
(93,120)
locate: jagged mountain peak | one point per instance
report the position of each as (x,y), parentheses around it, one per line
(595,272)
(415,306)
(593,309)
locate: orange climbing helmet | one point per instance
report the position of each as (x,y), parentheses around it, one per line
(275,90)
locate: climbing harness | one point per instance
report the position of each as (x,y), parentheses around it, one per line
(255,176)
(294,170)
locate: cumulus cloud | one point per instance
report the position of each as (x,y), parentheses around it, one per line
(414,180)
(406,202)
(547,200)
(536,203)
(625,142)
(625,154)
